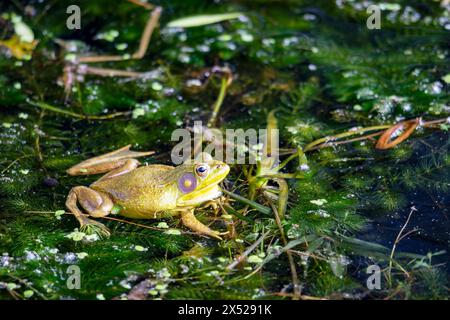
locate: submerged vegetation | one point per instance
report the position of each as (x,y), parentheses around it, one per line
(363,126)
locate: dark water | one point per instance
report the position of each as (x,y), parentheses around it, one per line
(430,220)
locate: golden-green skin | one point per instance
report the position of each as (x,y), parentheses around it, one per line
(150,192)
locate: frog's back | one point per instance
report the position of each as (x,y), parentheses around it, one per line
(142,192)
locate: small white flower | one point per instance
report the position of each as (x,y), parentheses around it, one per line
(59,213)
(304,167)
(100,296)
(319,202)
(76,235)
(162,225)
(254,259)
(138,112)
(91,237)
(140,248)
(258,146)
(173,232)
(81,255)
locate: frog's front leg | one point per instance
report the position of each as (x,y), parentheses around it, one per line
(214,204)
(190,221)
(121,158)
(95,203)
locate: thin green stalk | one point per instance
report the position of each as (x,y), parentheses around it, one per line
(397,240)
(48,107)
(345,134)
(253,204)
(295,282)
(302,159)
(219,101)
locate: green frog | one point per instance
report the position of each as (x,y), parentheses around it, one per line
(145,192)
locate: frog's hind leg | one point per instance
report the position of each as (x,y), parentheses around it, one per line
(190,221)
(95,203)
(127,166)
(108,162)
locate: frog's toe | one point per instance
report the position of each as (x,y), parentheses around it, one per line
(90,227)
(190,221)
(216,235)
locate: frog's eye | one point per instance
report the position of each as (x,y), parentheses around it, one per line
(187,183)
(202,170)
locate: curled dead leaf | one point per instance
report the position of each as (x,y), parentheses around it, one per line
(406,128)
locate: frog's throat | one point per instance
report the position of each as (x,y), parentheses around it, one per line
(199,196)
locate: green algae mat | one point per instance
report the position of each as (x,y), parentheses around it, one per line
(334,116)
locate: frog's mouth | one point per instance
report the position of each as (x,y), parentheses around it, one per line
(214,179)
(207,190)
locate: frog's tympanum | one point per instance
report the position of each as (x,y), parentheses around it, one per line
(145,192)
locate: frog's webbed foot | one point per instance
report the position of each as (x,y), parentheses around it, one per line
(90,227)
(96,205)
(116,160)
(190,221)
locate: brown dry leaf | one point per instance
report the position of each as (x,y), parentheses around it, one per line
(407,128)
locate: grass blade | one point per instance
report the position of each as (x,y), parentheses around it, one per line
(202,20)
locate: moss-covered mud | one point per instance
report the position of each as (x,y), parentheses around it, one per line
(323,71)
